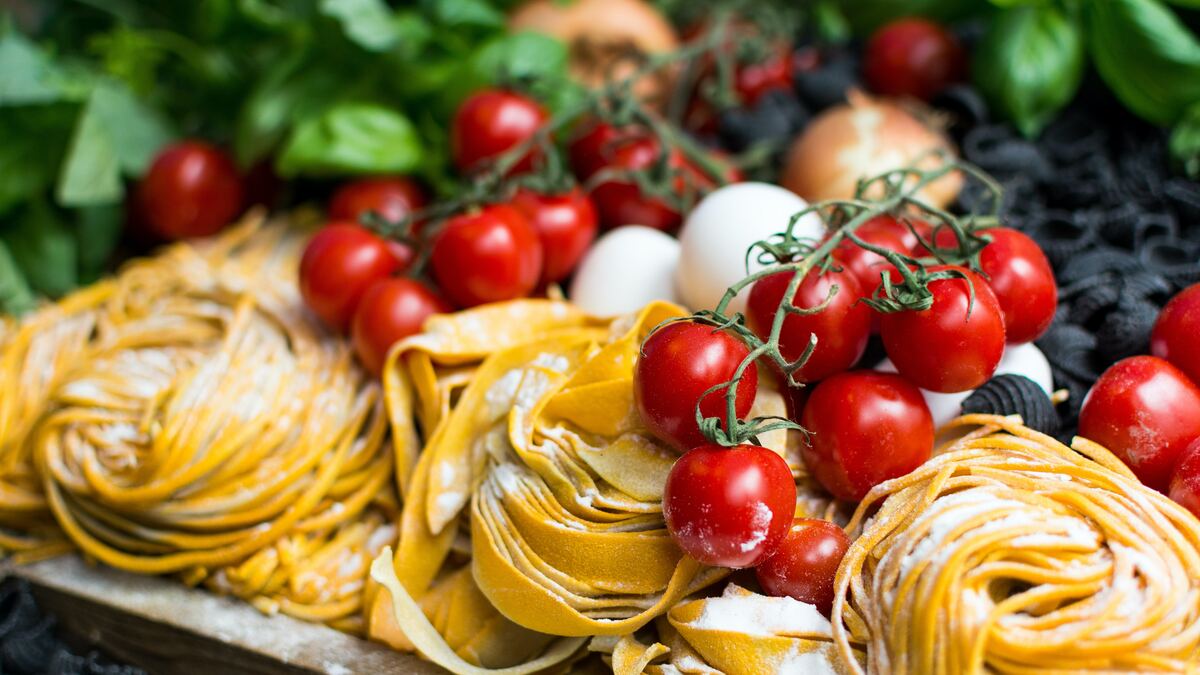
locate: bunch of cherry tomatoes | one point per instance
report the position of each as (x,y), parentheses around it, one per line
(733,507)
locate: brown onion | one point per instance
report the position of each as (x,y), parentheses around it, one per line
(861,139)
(602,36)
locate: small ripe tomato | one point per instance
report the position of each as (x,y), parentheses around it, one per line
(729,507)
(842,328)
(1146,411)
(864,428)
(489,123)
(487,255)
(913,57)
(393,198)
(192,189)
(566,225)
(678,363)
(752,80)
(592,148)
(1177,330)
(621,202)
(1021,277)
(908,230)
(1185,481)
(389,311)
(867,266)
(805,563)
(341,261)
(956,344)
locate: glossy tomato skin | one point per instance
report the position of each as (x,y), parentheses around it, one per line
(1021,277)
(1146,411)
(842,328)
(621,202)
(393,198)
(592,148)
(565,223)
(729,507)
(866,266)
(391,310)
(192,189)
(677,364)
(805,563)
(487,255)
(955,345)
(908,230)
(753,80)
(913,57)
(339,264)
(1185,479)
(489,123)
(1177,331)
(865,427)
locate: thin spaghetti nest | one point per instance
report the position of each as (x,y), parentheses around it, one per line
(187,417)
(1010,552)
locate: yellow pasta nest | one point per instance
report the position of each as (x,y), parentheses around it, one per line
(188,417)
(1010,552)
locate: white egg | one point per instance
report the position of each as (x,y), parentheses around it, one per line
(625,269)
(718,232)
(1024,359)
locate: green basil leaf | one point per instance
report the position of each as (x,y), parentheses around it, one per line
(478,13)
(45,249)
(137,131)
(352,138)
(1146,55)
(1185,142)
(15,296)
(1029,65)
(27,75)
(91,173)
(367,23)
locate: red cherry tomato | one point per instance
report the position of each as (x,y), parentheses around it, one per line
(948,347)
(908,230)
(865,427)
(678,363)
(842,328)
(913,57)
(752,80)
(1185,482)
(191,190)
(391,310)
(487,255)
(805,563)
(729,507)
(491,122)
(1021,277)
(1146,411)
(392,198)
(566,225)
(621,202)
(592,148)
(339,264)
(866,266)
(1176,332)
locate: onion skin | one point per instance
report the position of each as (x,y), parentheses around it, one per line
(862,139)
(601,35)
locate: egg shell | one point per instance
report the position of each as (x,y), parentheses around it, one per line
(626,269)
(720,229)
(1024,359)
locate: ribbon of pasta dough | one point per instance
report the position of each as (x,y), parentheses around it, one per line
(1011,552)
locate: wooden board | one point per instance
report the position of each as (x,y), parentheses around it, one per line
(165,627)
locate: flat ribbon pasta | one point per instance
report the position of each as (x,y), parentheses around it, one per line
(1010,552)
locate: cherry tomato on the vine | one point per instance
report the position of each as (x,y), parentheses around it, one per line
(864,428)
(865,265)
(908,230)
(487,255)
(956,344)
(1021,277)
(1177,330)
(341,261)
(489,123)
(752,80)
(842,327)
(805,563)
(393,198)
(592,147)
(391,310)
(1185,481)
(621,202)
(1146,411)
(565,223)
(729,507)
(913,57)
(192,189)
(678,363)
